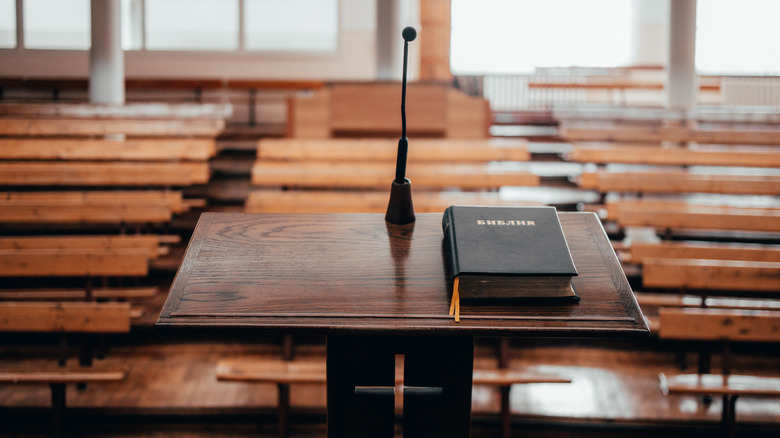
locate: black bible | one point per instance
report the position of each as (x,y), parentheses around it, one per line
(507,253)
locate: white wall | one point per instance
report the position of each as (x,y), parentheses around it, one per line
(355,58)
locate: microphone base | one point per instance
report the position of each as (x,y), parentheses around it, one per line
(400,210)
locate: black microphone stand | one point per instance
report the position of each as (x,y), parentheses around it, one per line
(400,209)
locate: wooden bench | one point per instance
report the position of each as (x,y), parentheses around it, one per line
(373,110)
(62,318)
(96,173)
(112,164)
(340,175)
(659,300)
(676,182)
(711,115)
(726,327)
(323,164)
(283,372)
(702,155)
(674,214)
(711,275)
(120,255)
(153,244)
(315,201)
(79,256)
(624,133)
(100,294)
(616,88)
(87,317)
(74,262)
(49,268)
(93,170)
(695,270)
(707,266)
(106,149)
(377,175)
(639,251)
(93,207)
(97,120)
(97,255)
(279,371)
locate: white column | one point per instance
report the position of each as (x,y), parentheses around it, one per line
(649,32)
(681,82)
(106,60)
(389,56)
(19,24)
(392,16)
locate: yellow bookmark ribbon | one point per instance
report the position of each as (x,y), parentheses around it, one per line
(455,304)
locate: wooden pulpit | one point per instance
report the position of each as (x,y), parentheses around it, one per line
(377,290)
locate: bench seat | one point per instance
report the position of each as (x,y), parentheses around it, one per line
(703,250)
(720,384)
(150,242)
(706,274)
(70,126)
(598,153)
(286,372)
(61,317)
(140,149)
(379,175)
(72,374)
(114,293)
(623,133)
(680,182)
(102,173)
(673,214)
(76,262)
(317,201)
(649,299)
(720,324)
(385,150)
(93,207)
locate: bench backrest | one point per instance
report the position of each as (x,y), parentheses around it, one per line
(385,150)
(681,215)
(706,274)
(680,182)
(134,149)
(77,256)
(77,317)
(373,110)
(75,262)
(150,242)
(681,156)
(657,134)
(719,325)
(704,250)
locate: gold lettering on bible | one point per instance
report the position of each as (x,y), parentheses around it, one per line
(499,222)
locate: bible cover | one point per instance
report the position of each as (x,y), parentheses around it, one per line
(508,252)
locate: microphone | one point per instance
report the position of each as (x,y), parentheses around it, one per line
(400,209)
(408,34)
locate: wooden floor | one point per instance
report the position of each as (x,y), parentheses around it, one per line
(171,390)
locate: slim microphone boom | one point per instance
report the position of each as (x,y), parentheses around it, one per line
(400,209)
(409,34)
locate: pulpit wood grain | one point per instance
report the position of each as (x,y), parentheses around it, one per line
(355,274)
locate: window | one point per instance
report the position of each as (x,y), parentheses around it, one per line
(549,33)
(738,37)
(181,25)
(191,24)
(60,24)
(7,24)
(291,25)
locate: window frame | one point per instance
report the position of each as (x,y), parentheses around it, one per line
(239,52)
